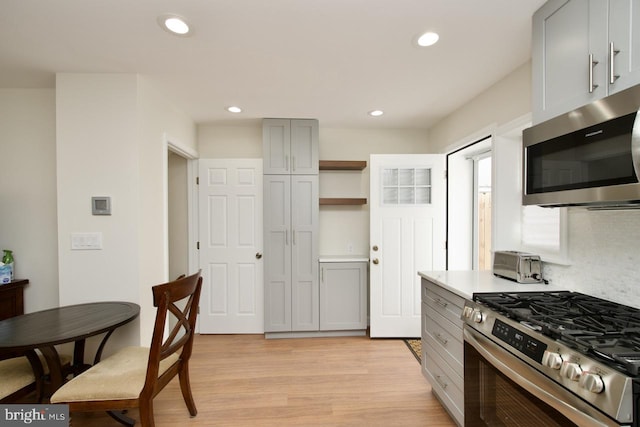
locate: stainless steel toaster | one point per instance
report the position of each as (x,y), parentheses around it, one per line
(519,266)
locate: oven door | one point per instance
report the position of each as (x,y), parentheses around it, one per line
(502,390)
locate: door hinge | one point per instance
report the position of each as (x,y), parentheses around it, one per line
(445,174)
(198,245)
(197,180)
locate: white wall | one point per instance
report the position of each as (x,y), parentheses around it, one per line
(28,221)
(501,103)
(110,141)
(157,119)
(98,155)
(342,228)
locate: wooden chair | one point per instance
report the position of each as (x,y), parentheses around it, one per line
(21,376)
(134,375)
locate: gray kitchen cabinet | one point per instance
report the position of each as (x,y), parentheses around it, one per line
(442,346)
(290,146)
(343,296)
(291,253)
(582,50)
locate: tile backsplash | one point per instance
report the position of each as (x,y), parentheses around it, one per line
(604,250)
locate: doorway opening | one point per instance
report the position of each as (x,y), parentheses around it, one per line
(469,207)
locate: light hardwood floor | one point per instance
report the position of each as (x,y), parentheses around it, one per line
(246,380)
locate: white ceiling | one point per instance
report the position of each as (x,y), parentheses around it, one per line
(333,60)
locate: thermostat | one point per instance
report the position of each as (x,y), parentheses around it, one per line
(101,205)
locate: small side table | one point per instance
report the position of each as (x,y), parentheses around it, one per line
(11,299)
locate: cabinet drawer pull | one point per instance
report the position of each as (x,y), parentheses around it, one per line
(612,74)
(293,163)
(442,339)
(442,382)
(441,303)
(286,163)
(592,64)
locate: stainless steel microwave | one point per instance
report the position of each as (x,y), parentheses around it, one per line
(587,157)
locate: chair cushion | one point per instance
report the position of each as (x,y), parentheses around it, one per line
(120,376)
(16,373)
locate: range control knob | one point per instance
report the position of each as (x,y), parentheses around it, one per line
(466,313)
(552,360)
(477,316)
(592,382)
(571,370)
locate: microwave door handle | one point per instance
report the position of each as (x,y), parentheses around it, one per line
(635,146)
(525,376)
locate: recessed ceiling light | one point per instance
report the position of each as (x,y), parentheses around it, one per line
(376,113)
(234,109)
(174,24)
(428,39)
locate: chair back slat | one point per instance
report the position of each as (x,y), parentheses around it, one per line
(180,338)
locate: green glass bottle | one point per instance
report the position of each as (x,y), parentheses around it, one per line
(7,259)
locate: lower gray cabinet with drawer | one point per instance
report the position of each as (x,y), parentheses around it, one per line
(442,347)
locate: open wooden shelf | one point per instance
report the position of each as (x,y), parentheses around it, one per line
(343,165)
(342,201)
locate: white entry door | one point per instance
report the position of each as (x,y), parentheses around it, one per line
(230,211)
(407,235)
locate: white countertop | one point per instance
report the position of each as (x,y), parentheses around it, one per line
(344,258)
(466,283)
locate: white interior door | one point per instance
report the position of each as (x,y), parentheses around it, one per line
(407,235)
(230,219)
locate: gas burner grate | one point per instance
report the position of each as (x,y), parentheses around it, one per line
(604,329)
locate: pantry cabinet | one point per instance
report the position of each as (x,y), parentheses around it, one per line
(583,50)
(291,291)
(442,346)
(343,296)
(290,146)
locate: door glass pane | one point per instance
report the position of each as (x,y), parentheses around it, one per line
(390,177)
(423,195)
(406,176)
(406,196)
(390,196)
(406,186)
(423,176)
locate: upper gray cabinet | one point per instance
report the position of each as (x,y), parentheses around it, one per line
(290,146)
(583,50)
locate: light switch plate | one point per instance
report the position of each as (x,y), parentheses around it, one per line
(86,241)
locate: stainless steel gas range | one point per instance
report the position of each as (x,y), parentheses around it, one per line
(550,358)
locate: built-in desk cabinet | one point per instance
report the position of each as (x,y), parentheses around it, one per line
(11,299)
(442,346)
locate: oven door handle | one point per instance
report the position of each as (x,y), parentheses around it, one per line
(536,383)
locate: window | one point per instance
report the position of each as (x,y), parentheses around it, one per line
(406,186)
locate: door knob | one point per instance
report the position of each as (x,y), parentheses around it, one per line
(258,255)
(375,261)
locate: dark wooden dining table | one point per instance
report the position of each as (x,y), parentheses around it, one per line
(43,330)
